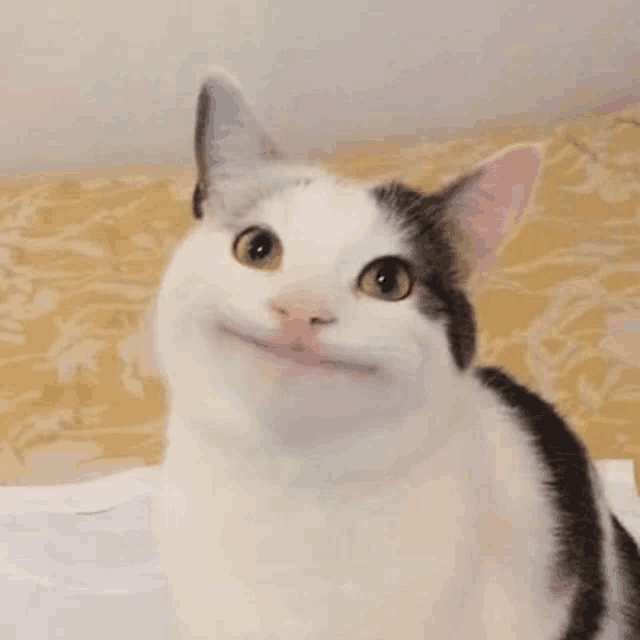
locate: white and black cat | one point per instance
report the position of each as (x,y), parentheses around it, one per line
(336,467)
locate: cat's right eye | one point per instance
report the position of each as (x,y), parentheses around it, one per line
(258,248)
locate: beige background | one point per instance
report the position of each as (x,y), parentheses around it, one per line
(81,255)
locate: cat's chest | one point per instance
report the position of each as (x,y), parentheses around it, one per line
(292,556)
(261,518)
(270,549)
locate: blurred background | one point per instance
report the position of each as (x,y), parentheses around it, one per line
(96,84)
(96,178)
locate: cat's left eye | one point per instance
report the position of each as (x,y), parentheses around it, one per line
(387,278)
(258,248)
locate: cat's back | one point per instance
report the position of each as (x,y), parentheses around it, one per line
(597,562)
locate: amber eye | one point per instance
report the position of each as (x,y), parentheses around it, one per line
(258,248)
(386,278)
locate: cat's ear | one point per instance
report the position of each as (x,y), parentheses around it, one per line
(228,138)
(487,203)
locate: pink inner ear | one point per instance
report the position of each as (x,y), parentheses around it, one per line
(494,204)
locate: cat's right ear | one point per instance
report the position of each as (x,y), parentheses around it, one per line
(229,140)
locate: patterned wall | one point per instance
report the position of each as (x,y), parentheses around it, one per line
(81,255)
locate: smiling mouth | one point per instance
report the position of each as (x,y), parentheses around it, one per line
(301,355)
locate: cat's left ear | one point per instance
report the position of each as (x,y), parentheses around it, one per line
(229,140)
(486,205)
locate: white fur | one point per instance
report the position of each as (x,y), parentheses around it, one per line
(419,514)
(394,499)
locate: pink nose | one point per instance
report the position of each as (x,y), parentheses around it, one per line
(312,315)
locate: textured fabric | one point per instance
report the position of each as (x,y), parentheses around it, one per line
(82,253)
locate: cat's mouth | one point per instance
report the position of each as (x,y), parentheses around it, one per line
(301,354)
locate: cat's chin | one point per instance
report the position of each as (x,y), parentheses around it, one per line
(300,358)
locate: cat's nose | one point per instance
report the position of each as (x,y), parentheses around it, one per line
(313,315)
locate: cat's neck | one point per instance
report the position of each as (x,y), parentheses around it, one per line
(343,435)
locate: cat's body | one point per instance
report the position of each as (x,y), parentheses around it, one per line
(336,468)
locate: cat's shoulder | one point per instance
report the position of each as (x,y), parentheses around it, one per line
(555,440)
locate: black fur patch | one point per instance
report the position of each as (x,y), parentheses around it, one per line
(630,560)
(203,115)
(434,260)
(198,197)
(579,534)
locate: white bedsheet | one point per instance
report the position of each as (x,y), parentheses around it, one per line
(71,573)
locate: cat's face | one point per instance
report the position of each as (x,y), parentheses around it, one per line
(308,290)
(320,274)
(300,294)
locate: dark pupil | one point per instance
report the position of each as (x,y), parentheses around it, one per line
(386,279)
(260,247)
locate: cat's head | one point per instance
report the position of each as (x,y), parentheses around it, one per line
(295,274)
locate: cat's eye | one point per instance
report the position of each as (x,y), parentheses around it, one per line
(258,248)
(387,278)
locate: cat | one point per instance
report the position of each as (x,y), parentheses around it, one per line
(336,465)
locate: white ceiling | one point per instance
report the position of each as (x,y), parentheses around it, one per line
(86,83)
